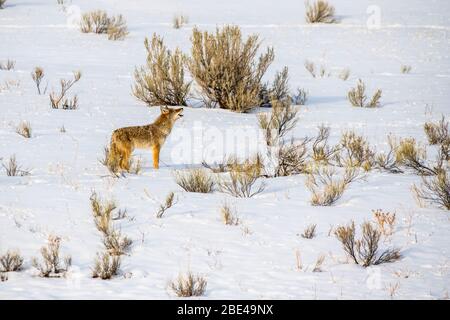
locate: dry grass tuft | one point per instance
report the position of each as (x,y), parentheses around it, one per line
(167,205)
(364,251)
(8,65)
(51,267)
(102,210)
(179,21)
(435,190)
(24,129)
(412,155)
(385,221)
(227,69)
(309,232)
(319,262)
(116,244)
(195,180)
(59,100)
(319,12)
(189,285)
(405,69)
(344,74)
(99,22)
(301,97)
(11,261)
(243,177)
(356,151)
(117,28)
(229,216)
(326,189)
(38,75)
(161,81)
(13,169)
(437,133)
(106,266)
(357,96)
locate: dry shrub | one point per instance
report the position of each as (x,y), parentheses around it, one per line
(189,285)
(410,154)
(278,91)
(179,20)
(2,4)
(3,275)
(385,221)
(38,75)
(116,244)
(11,261)
(243,177)
(356,151)
(98,22)
(326,189)
(195,180)
(405,69)
(59,100)
(319,12)
(102,210)
(435,190)
(311,67)
(169,202)
(364,251)
(226,67)
(279,122)
(309,232)
(319,262)
(344,74)
(387,161)
(8,65)
(229,216)
(24,129)
(357,96)
(94,22)
(300,98)
(438,134)
(106,266)
(232,162)
(322,152)
(161,81)
(13,169)
(280,85)
(291,158)
(52,266)
(117,28)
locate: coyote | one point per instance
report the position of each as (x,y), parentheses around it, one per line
(151,136)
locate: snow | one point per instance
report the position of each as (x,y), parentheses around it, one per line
(257,259)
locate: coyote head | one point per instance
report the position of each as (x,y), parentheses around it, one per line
(172,114)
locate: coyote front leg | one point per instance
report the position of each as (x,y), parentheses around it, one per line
(155,150)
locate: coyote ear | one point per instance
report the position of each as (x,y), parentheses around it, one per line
(164,110)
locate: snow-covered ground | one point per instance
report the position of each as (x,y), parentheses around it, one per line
(257,259)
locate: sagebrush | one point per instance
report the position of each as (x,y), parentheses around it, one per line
(11,261)
(319,12)
(195,180)
(52,265)
(161,81)
(358,98)
(226,67)
(365,251)
(189,285)
(59,100)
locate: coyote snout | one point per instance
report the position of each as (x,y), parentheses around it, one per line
(151,136)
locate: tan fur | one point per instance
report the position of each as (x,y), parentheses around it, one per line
(150,136)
